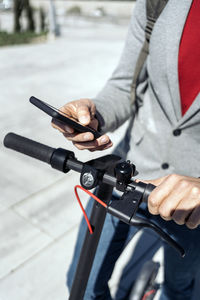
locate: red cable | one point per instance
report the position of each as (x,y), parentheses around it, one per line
(148,294)
(88,222)
(83,210)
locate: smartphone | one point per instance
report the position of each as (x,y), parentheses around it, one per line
(63,117)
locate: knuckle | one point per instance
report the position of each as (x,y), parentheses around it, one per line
(152,206)
(152,211)
(174,177)
(194,219)
(178,218)
(82,110)
(195,191)
(178,221)
(191,225)
(152,202)
(70,105)
(184,184)
(164,213)
(67,108)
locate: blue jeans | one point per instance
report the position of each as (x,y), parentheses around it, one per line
(179,273)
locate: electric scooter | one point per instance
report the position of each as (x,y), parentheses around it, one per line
(104,173)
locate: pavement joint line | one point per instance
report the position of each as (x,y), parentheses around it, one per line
(12,207)
(53,238)
(37,193)
(39,252)
(28,220)
(34,225)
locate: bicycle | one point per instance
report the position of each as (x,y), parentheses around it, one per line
(106,172)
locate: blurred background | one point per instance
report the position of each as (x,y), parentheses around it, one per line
(58,51)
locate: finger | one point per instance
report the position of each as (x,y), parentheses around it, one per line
(155,182)
(101,148)
(180,216)
(171,202)
(61,126)
(158,181)
(71,107)
(83,114)
(161,192)
(185,208)
(79,137)
(68,109)
(194,218)
(86,137)
(93,145)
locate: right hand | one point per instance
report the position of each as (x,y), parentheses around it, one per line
(84,111)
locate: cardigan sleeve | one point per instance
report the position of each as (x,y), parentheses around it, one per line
(113,101)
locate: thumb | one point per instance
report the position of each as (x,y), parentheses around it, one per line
(83,114)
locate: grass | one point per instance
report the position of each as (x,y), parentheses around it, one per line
(8,39)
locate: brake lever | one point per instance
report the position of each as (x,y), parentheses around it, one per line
(125,209)
(145,223)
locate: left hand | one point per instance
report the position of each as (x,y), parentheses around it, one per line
(83,110)
(176,198)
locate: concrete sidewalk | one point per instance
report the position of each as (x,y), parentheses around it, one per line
(38,210)
(39,213)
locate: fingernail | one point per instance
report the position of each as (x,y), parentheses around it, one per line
(104,140)
(84,119)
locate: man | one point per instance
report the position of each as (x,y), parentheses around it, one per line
(163,139)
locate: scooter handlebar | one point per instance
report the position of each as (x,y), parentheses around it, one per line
(64,160)
(28,147)
(61,159)
(149,188)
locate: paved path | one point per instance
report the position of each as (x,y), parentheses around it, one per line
(39,215)
(38,211)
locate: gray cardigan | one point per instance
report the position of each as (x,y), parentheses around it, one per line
(160,140)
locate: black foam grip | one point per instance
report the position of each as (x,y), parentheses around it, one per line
(149,188)
(28,147)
